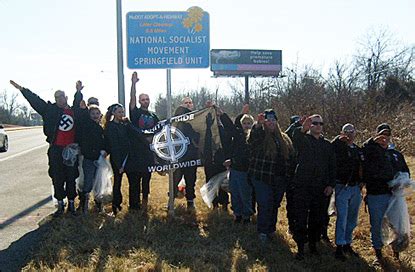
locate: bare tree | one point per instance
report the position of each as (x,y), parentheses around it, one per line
(380,56)
(8,101)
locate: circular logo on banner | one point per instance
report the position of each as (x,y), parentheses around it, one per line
(170,144)
(66,123)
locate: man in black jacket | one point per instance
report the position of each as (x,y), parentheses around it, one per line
(142,118)
(59,122)
(313,182)
(349,159)
(189,173)
(382,162)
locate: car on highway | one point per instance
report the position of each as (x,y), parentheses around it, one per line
(4,141)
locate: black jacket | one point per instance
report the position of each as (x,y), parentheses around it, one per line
(240,152)
(380,166)
(316,160)
(50,112)
(349,162)
(117,143)
(90,136)
(187,129)
(291,128)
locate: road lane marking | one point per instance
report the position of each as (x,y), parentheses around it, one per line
(24,152)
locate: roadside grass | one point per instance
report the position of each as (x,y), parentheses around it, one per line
(206,240)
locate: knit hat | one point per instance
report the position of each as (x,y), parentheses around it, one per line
(294,118)
(348,128)
(270,114)
(383,127)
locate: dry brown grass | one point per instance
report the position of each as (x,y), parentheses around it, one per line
(205,241)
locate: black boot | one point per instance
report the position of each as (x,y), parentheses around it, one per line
(379,257)
(81,201)
(85,207)
(313,248)
(349,250)
(396,255)
(60,210)
(237,219)
(339,255)
(300,252)
(116,209)
(98,206)
(71,208)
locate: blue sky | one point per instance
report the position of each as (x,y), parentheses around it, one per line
(49,44)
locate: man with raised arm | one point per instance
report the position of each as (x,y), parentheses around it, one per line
(314,180)
(142,118)
(59,122)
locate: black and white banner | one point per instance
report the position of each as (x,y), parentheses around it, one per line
(184,140)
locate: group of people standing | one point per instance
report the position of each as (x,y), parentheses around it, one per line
(265,164)
(308,168)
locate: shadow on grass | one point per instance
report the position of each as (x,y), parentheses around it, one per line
(151,241)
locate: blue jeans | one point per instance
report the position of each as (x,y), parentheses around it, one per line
(269,199)
(377,208)
(90,170)
(241,194)
(348,199)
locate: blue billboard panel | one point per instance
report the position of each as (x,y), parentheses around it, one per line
(161,40)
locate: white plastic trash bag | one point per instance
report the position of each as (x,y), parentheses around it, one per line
(225,183)
(210,190)
(102,184)
(54,200)
(80,179)
(396,227)
(331,211)
(181,189)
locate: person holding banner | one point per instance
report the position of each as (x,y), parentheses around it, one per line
(271,154)
(189,173)
(142,119)
(122,157)
(239,185)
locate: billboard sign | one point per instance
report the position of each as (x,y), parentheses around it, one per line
(161,40)
(236,62)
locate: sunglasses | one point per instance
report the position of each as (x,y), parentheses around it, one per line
(317,123)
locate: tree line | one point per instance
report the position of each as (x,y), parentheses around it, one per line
(377,85)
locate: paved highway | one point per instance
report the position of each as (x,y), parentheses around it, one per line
(25,188)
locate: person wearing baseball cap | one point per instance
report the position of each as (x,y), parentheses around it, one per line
(348,197)
(381,162)
(269,166)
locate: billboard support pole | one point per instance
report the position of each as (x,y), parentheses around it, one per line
(171,184)
(246,89)
(120,62)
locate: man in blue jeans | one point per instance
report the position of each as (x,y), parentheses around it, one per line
(348,197)
(269,167)
(381,164)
